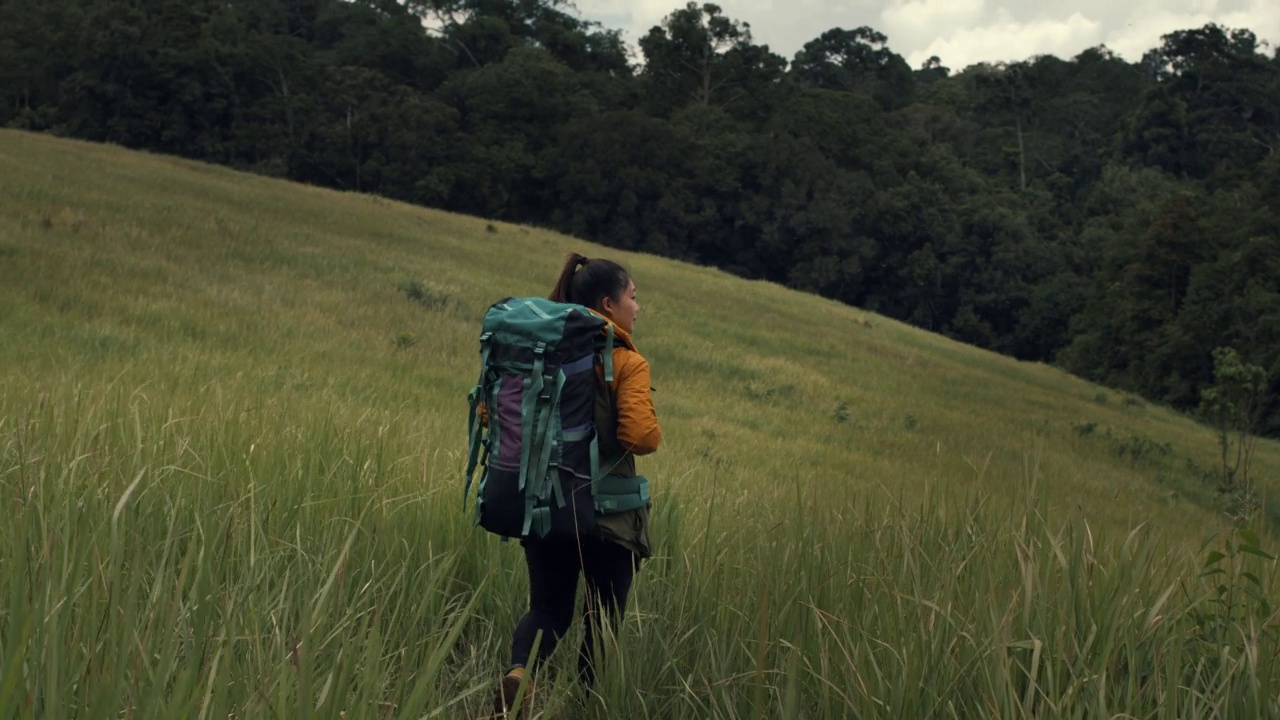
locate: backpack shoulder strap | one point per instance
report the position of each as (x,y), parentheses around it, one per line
(609,344)
(477,396)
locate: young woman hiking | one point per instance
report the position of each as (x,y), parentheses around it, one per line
(627,426)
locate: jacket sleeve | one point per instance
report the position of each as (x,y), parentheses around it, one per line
(638,429)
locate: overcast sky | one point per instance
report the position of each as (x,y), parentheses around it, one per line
(963,32)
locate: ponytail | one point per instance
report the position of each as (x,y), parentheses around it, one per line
(588,281)
(563,290)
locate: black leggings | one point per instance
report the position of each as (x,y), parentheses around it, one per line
(553,583)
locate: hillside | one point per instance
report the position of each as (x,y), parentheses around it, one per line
(193,353)
(1096,210)
(168,271)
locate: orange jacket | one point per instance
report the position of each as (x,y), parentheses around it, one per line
(638,429)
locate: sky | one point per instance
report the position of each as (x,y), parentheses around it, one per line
(963,32)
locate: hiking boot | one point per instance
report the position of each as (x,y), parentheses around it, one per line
(505,698)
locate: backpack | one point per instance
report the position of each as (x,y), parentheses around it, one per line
(539,453)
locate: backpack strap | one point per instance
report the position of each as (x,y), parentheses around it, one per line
(528,415)
(619,494)
(595,464)
(543,479)
(553,426)
(614,494)
(528,409)
(608,353)
(474,429)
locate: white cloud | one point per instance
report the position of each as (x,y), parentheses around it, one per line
(633,17)
(932,12)
(962,32)
(1007,39)
(1142,31)
(915,23)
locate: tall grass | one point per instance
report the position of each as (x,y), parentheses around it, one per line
(203,559)
(230,444)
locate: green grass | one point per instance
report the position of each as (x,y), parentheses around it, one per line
(231,439)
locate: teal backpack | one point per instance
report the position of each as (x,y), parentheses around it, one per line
(539,454)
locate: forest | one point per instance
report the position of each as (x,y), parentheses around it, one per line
(1118,219)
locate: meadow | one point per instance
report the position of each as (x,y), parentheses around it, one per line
(232,435)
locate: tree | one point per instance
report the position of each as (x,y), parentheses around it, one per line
(857,61)
(1003,94)
(1076,119)
(369,134)
(698,56)
(1218,97)
(931,72)
(31,77)
(1232,404)
(384,36)
(1115,333)
(625,176)
(482,31)
(511,114)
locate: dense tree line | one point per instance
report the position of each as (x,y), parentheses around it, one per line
(1120,219)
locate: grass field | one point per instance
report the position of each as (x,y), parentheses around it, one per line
(231,441)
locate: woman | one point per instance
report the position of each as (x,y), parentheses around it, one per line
(627,426)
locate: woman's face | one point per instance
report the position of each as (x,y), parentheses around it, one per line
(624,310)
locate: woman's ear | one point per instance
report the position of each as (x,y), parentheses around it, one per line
(607,305)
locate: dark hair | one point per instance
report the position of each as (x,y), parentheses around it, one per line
(588,281)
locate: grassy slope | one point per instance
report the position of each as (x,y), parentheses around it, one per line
(192,326)
(118,262)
